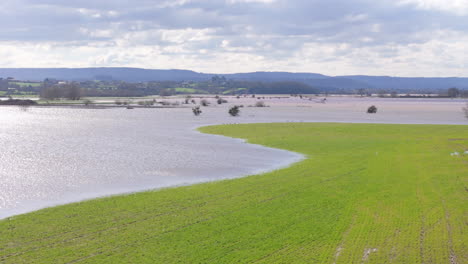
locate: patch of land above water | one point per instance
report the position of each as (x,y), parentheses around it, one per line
(56,155)
(368,193)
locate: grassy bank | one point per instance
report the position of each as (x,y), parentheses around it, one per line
(366,194)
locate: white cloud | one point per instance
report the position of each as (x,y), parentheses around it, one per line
(356,17)
(445,55)
(406,38)
(250,1)
(459,7)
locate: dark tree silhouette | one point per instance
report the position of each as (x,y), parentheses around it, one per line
(196,110)
(234,111)
(453,92)
(372,109)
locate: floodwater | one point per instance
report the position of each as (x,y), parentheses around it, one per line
(51,156)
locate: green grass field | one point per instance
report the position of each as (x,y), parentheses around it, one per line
(365,194)
(60,101)
(236,91)
(189,91)
(17,94)
(27,84)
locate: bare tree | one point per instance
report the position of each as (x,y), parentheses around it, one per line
(361,92)
(73,91)
(70,91)
(453,92)
(196,110)
(51,93)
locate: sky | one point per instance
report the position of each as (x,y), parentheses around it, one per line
(333,37)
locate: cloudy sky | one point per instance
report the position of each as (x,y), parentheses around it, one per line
(334,37)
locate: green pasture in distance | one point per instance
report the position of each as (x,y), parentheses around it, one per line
(235,91)
(27,84)
(189,91)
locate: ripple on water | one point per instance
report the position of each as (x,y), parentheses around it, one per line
(52,156)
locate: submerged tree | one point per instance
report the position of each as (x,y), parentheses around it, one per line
(204,102)
(234,111)
(221,101)
(372,109)
(196,110)
(88,102)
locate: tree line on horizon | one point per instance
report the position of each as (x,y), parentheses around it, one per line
(54,89)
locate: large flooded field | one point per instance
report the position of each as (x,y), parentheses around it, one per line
(51,156)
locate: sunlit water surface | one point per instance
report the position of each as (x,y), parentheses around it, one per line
(51,156)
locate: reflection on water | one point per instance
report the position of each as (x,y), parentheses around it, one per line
(56,155)
(51,156)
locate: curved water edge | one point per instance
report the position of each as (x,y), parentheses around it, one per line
(40,168)
(293,158)
(53,156)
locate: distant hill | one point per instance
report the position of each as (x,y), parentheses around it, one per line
(338,84)
(143,75)
(274,76)
(319,81)
(83,74)
(401,83)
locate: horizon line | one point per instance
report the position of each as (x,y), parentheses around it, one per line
(208,73)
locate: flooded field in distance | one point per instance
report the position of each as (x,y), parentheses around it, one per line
(51,156)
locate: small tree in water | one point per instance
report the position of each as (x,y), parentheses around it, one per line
(372,109)
(221,101)
(234,111)
(204,102)
(196,110)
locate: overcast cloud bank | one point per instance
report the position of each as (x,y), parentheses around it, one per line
(335,37)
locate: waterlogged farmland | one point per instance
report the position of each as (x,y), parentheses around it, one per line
(52,156)
(367,193)
(231,150)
